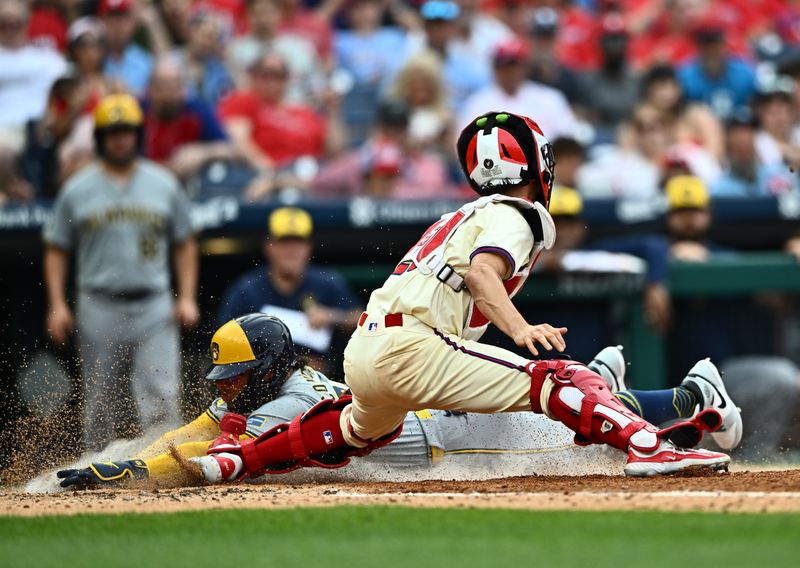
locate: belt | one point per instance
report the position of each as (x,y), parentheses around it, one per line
(389,320)
(123,295)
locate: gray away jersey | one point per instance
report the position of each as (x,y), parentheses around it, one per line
(122,234)
(303,389)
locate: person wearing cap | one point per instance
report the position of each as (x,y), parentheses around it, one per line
(745,174)
(125,220)
(313,302)
(689,220)
(715,76)
(388,164)
(511,90)
(566,209)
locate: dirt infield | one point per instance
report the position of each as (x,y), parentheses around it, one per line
(744,491)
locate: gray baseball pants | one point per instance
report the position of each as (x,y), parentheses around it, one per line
(130,365)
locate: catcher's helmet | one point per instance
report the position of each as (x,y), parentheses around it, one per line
(501,149)
(257,343)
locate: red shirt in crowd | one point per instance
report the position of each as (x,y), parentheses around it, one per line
(284,132)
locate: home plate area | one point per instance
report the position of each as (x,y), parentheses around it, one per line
(741,491)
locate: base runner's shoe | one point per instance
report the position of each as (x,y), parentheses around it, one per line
(705,382)
(670,459)
(610,364)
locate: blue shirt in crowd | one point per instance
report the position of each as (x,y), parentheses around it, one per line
(133,68)
(732,89)
(371,59)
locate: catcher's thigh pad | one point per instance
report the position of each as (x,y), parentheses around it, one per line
(313,439)
(569,392)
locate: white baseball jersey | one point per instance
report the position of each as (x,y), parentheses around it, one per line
(428,282)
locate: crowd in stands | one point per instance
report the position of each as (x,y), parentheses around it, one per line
(339,98)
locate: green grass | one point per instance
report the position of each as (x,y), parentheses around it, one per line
(394,536)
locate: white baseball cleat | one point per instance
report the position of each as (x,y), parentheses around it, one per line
(706,383)
(610,364)
(669,459)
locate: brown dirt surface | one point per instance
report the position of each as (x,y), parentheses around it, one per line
(743,491)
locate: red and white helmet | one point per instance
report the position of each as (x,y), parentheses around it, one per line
(501,149)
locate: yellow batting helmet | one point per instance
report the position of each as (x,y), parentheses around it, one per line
(118,110)
(565,202)
(687,192)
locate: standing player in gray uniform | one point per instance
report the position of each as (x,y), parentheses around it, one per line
(124,218)
(263,386)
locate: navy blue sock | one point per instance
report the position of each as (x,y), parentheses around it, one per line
(659,406)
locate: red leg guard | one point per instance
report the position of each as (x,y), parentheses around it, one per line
(579,398)
(313,439)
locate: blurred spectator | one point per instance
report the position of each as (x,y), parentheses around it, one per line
(207,78)
(175,18)
(13,186)
(420,85)
(86,48)
(368,56)
(632,167)
(26,73)
(48,23)
(715,76)
(612,254)
(478,33)
(123,243)
(776,142)
(181,132)
(689,220)
(745,175)
(512,91)
(570,156)
(270,132)
(310,24)
(367,50)
(387,164)
(693,131)
(577,38)
(126,62)
(311,301)
(544,65)
(609,94)
(462,74)
(263,17)
(40,162)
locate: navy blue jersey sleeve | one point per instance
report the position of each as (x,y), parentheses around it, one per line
(653,249)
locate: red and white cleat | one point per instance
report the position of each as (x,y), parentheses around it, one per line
(670,459)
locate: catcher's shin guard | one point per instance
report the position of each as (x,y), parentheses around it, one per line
(313,439)
(569,392)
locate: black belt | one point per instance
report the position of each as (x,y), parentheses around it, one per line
(123,295)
